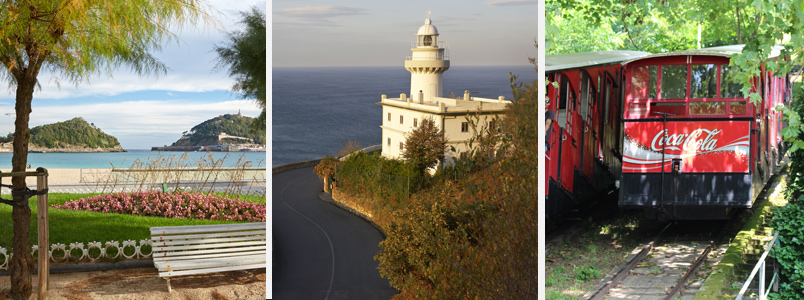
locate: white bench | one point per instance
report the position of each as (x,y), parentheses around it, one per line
(200,249)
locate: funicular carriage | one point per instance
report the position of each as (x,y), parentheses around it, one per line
(583,147)
(693,146)
(673,128)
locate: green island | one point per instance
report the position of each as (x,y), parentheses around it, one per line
(74,135)
(227,129)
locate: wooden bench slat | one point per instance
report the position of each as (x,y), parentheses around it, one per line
(207,241)
(183,254)
(256,250)
(160,249)
(209,263)
(207,251)
(169,230)
(157,238)
(212,270)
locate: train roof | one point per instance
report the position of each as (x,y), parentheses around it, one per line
(589,59)
(724,51)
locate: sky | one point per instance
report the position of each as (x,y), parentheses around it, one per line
(149,111)
(380,33)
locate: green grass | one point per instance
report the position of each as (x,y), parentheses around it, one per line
(69,226)
(577,264)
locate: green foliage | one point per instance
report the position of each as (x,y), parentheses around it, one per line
(425,145)
(375,177)
(586,273)
(244,53)
(75,132)
(231,124)
(788,221)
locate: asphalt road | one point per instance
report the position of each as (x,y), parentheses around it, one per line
(321,251)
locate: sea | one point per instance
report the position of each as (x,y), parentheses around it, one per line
(317,110)
(146,157)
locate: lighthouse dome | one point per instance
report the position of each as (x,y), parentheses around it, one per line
(427,28)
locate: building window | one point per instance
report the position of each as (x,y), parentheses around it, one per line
(400,119)
(415,122)
(401,146)
(493,125)
(389,117)
(465,127)
(463,155)
(389,142)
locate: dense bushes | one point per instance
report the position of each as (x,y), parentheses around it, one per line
(789,222)
(373,176)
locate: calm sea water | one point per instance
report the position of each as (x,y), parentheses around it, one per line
(126,159)
(316,111)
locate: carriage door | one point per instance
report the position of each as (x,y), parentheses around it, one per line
(589,146)
(566,119)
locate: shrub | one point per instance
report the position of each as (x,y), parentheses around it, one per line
(789,222)
(171,205)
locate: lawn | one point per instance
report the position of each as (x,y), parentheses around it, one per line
(69,226)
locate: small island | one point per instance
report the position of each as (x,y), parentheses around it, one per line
(71,136)
(225,133)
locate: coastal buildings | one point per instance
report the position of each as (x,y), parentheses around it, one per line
(427,64)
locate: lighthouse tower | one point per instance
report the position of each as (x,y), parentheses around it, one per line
(426,64)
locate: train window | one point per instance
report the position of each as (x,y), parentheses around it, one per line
(643,82)
(637,109)
(674,82)
(729,86)
(566,103)
(584,94)
(737,107)
(708,108)
(606,93)
(672,108)
(703,81)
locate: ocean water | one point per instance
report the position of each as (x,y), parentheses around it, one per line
(316,111)
(126,159)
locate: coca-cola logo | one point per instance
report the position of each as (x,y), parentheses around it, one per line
(699,140)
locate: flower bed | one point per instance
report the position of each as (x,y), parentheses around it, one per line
(171,205)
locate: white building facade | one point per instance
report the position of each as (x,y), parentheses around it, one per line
(452,114)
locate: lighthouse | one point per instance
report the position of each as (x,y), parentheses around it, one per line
(453,115)
(427,64)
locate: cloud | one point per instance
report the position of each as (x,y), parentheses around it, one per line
(322,11)
(511,2)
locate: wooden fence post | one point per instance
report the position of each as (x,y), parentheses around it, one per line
(44,239)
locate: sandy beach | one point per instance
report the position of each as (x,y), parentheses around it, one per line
(55,176)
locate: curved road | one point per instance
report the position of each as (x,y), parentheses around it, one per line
(320,250)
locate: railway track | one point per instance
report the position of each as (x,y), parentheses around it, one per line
(662,267)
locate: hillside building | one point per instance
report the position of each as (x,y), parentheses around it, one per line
(427,64)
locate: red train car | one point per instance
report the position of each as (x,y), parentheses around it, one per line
(693,146)
(672,128)
(583,146)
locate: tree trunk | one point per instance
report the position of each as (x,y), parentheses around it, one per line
(21,263)
(739,25)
